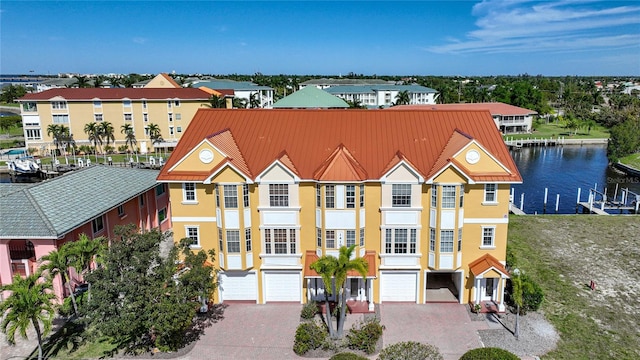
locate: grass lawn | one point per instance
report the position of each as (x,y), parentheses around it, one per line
(553,130)
(632,160)
(563,254)
(66,344)
(16,105)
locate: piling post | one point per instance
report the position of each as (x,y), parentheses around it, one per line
(557,202)
(578,200)
(522,201)
(615,194)
(544,207)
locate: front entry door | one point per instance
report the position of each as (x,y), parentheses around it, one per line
(489,288)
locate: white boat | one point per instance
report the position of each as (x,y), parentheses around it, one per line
(24,166)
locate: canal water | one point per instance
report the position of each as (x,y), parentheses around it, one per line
(563,170)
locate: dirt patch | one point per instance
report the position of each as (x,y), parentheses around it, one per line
(537,335)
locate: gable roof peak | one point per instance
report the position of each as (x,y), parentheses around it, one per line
(341,165)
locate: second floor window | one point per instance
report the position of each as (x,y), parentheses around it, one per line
(97,224)
(160,189)
(488,236)
(400,241)
(278,195)
(461,195)
(401,195)
(230,196)
(60,119)
(193,235)
(490,194)
(247,239)
(361,195)
(233,241)
(446,241)
(319,237)
(280,241)
(217,193)
(432,239)
(351,237)
(361,236)
(189,192)
(318,196)
(330,239)
(97,117)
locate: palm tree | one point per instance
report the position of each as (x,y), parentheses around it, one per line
(217,102)
(154,134)
(30,303)
(129,135)
(55,130)
(58,262)
(82,252)
(335,269)
(355,104)
(93,134)
(254,101)
(106,132)
(239,103)
(402,98)
(83,81)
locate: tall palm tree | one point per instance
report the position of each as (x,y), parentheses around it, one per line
(55,130)
(30,304)
(154,134)
(58,262)
(83,81)
(239,103)
(83,251)
(403,98)
(129,135)
(335,269)
(106,132)
(93,134)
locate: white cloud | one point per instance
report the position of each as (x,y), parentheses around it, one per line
(139,40)
(554,26)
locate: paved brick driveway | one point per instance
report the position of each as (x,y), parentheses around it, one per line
(250,331)
(446,325)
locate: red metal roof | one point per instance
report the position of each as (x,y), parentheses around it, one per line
(371,140)
(496,108)
(84,94)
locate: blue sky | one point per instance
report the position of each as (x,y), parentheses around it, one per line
(490,37)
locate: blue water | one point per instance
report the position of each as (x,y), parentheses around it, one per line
(563,170)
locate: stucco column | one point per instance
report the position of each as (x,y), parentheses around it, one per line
(370,297)
(478,296)
(501,306)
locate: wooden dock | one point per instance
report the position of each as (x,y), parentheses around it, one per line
(520,143)
(515,210)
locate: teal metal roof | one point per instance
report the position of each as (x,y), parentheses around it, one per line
(310,97)
(230,84)
(356,89)
(52,208)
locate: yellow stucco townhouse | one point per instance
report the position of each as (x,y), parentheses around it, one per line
(423,196)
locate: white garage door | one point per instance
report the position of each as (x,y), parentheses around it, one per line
(282,286)
(398,286)
(237,285)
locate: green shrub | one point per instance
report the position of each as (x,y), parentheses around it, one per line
(532,295)
(364,335)
(489,353)
(347,356)
(309,336)
(410,350)
(309,310)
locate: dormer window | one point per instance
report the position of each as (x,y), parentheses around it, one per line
(401,195)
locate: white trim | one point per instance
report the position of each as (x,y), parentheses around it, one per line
(296,178)
(193,150)
(383,178)
(229,164)
(448,165)
(473,141)
(486,220)
(193,219)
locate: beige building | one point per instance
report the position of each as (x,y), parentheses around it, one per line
(171,109)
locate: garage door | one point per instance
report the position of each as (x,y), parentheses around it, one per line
(282,286)
(398,286)
(237,285)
